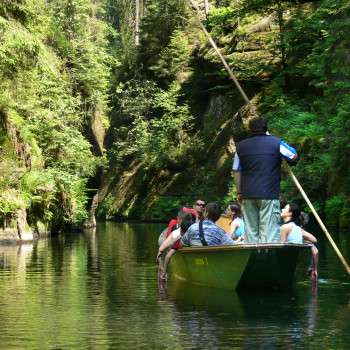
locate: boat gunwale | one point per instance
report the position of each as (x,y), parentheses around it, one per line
(246,246)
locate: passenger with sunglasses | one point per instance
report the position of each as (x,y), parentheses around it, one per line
(199,208)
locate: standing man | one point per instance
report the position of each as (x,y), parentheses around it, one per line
(257,172)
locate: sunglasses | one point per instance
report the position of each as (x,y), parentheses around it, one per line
(200,204)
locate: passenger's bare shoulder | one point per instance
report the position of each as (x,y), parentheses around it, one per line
(286,227)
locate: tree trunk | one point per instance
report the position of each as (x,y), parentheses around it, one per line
(206,7)
(21,219)
(91,221)
(282,44)
(142,8)
(137,22)
(281,33)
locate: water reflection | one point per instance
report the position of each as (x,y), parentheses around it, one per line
(14,256)
(197,312)
(192,297)
(99,290)
(250,320)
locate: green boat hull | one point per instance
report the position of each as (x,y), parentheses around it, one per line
(271,267)
(218,267)
(250,266)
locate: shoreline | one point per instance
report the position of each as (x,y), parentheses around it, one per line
(134,221)
(9,236)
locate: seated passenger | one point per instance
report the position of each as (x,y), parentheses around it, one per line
(206,232)
(171,234)
(291,232)
(173,228)
(172,225)
(175,235)
(198,206)
(237,223)
(187,219)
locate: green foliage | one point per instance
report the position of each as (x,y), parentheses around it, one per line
(158,135)
(15,9)
(162,18)
(248,38)
(175,57)
(79,37)
(56,60)
(222,19)
(10,201)
(19,49)
(230,197)
(336,208)
(221,15)
(104,209)
(119,16)
(316,119)
(54,73)
(133,101)
(164,208)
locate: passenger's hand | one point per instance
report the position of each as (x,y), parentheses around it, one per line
(163,276)
(159,255)
(312,273)
(239,198)
(239,240)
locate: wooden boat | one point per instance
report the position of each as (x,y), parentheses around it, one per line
(251,266)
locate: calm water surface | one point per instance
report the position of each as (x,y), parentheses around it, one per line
(99,290)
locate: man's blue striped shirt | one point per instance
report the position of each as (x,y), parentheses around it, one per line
(213,234)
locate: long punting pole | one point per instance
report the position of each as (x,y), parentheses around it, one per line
(212,42)
(246,99)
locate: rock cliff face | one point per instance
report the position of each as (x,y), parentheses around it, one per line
(96,133)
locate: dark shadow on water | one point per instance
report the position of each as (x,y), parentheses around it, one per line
(189,297)
(258,320)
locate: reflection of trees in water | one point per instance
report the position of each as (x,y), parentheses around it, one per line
(85,284)
(15,258)
(311,314)
(329,265)
(333,310)
(133,314)
(341,323)
(278,319)
(194,310)
(100,287)
(216,318)
(9,255)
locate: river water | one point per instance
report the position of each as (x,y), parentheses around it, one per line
(99,290)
